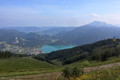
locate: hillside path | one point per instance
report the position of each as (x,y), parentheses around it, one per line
(101,67)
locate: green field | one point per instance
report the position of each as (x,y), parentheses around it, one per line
(22,66)
(86,63)
(11,67)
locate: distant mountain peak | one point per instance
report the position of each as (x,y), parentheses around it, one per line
(99,23)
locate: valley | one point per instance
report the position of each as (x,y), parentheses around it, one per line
(23,55)
(45,66)
(59,39)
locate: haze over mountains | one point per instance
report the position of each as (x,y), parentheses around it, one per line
(23,39)
(88,33)
(59,39)
(41,30)
(92,32)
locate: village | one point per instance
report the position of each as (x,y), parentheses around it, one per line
(19,50)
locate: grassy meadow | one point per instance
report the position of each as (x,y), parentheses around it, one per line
(23,66)
(12,67)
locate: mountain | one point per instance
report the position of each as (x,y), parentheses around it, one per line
(98,51)
(41,30)
(31,39)
(57,30)
(89,33)
(99,24)
(23,29)
(23,39)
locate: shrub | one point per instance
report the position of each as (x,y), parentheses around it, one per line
(69,73)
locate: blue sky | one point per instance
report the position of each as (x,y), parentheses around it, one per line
(58,12)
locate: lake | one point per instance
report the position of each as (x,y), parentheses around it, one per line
(49,48)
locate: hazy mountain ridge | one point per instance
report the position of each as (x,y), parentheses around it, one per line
(85,34)
(41,30)
(22,39)
(92,32)
(57,30)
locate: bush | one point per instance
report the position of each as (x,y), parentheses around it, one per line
(69,73)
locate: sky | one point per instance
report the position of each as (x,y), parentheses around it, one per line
(15,13)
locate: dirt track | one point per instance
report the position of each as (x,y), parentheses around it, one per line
(45,76)
(101,67)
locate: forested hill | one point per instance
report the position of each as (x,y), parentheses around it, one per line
(99,51)
(22,39)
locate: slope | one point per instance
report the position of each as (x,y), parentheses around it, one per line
(89,33)
(23,65)
(98,51)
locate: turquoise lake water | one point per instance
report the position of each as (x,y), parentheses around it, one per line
(48,48)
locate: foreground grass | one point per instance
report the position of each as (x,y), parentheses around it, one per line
(86,63)
(28,66)
(24,66)
(105,74)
